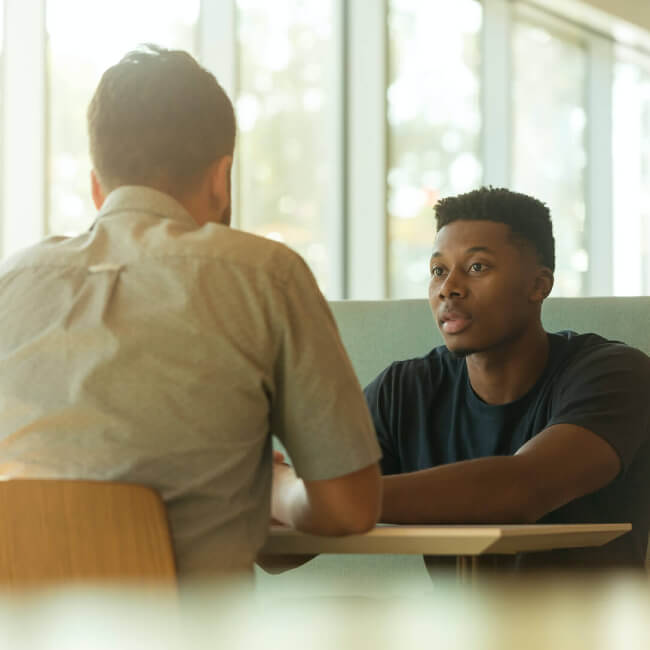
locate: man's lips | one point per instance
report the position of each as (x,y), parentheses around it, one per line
(453,322)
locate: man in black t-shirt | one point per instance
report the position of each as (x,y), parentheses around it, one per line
(507,423)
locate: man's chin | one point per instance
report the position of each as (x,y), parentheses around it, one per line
(461,353)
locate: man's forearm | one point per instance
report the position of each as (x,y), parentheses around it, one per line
(293,507)
(485,490)
(343,505)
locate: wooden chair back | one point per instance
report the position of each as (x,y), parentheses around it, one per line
(60,531)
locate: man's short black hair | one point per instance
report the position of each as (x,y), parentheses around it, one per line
(158,119)
(529,219)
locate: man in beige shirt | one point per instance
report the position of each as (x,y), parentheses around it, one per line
(164,348)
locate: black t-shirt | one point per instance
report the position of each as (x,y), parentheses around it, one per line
(426,414)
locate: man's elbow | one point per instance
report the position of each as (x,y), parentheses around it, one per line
(368,516)
(362,523)
(529,514)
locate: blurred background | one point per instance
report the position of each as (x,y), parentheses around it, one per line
(355,116)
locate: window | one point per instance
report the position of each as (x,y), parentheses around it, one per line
(287,107)
(631,151)
(434,126)
(354,118)
(78,52)
(549,150)
(2,90)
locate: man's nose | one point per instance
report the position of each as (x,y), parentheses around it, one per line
(453,286)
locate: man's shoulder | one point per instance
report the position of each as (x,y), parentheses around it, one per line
(217,242)
(163,240)
(573,350)
(215,245)
(590,342)
(437,358)
(32,256)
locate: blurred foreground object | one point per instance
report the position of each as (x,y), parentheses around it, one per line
(577,613)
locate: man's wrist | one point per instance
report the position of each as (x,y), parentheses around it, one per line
(288,493)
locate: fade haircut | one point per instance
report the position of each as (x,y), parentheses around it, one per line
(158,119)
(528,218)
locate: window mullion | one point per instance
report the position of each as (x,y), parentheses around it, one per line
(218,52)
(496,45)
(217,44)
(24,132)
(599,176)
(367,141)
(335,208)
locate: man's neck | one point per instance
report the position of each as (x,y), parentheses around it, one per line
(507,372)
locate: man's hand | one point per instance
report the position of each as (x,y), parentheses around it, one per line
(283,477)
(284,482)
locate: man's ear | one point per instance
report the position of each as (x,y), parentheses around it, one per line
(96,190)
(221,176)
(543,284)
(220,187)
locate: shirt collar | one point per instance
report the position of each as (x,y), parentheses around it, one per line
(139,198)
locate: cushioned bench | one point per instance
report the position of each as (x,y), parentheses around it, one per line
(375,333)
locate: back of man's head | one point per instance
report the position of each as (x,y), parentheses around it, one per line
(529,219)
(158,119)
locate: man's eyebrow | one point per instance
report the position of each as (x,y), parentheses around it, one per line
(469,251)
(479,249)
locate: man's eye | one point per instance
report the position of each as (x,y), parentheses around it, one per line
(477,267)
(437,271)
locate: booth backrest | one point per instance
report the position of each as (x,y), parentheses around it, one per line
(376,333)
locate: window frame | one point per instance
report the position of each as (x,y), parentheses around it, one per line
(598,176)
(625,54)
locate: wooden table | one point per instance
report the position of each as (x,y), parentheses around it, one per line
(467,543)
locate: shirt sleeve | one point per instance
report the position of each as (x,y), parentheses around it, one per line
(318,411)
(606,391)
(378,396)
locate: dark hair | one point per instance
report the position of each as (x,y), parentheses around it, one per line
(159,119)
(529,219)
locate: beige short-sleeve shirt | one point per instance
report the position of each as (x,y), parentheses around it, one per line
(154,351)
